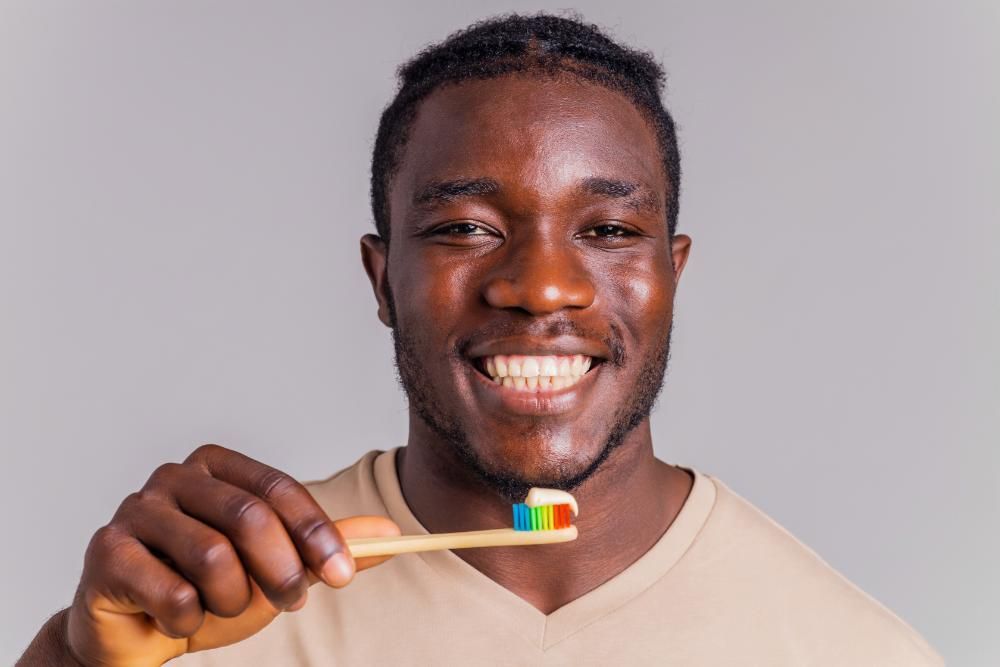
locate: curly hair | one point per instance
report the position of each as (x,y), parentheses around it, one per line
(539,44)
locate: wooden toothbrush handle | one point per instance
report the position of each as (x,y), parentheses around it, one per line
(501,537)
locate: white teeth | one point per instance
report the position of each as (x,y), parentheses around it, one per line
(524,372)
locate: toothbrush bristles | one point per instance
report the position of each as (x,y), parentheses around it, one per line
(546,517)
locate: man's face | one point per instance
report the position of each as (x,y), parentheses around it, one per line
(528,243)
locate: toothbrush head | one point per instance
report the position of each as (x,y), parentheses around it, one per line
(545,509)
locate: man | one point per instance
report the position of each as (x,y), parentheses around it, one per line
(525,191)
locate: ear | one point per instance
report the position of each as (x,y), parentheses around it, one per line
(680,248)
(374,255)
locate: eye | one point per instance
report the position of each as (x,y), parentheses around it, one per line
(607,230)
(462,228)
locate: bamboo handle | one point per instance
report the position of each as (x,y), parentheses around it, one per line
(501,537)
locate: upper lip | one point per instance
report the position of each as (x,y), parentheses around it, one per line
(539,346)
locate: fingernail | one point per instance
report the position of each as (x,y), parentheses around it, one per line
(338,570)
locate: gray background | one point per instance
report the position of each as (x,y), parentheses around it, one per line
(182,187)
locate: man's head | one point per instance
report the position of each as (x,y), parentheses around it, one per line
(525,186)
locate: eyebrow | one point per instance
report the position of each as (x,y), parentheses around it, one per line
(636,196)
(443,192)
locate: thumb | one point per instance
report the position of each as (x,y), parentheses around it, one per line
(367,526)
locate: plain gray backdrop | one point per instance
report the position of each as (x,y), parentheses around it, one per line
(183,186)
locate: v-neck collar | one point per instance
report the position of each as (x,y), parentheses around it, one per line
(541,630)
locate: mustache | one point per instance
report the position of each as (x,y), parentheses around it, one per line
(564,326)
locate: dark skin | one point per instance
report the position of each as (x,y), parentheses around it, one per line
(565,250)
(536,247)
(206,554)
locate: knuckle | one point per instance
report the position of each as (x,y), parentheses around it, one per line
(213,555)
(138,509)
(293,586)
(103,542)
(132,501)
(275,484)
(162,475)
(251,514)
(182,598)
(310,527)
(204,452)
(127,508)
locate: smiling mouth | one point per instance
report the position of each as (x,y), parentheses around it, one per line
(536,374)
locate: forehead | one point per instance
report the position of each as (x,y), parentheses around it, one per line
(536,136)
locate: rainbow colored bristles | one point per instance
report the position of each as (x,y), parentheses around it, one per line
(546,517)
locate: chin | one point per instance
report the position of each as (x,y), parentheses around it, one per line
(538,461)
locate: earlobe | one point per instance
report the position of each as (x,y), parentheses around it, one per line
(680,249)
(374,256)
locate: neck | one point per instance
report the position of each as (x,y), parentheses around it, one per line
(625,507)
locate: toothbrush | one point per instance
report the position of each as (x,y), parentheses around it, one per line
(543,518)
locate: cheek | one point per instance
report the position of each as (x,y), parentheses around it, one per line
(643,288)
(431,292)
(642,295)
(639,291)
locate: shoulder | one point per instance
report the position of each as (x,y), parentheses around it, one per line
(352,490)
(799,591)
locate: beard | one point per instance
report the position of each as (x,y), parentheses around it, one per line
(640,401)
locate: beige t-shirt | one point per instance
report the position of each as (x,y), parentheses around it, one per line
(725,585)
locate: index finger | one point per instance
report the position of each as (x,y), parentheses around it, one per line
(319,543)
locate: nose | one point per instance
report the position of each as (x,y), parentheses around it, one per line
(539,278)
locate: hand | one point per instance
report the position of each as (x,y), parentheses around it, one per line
(208,553)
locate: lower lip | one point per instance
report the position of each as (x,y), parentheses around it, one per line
(551,402)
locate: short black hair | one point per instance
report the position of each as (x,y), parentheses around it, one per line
(533,44)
